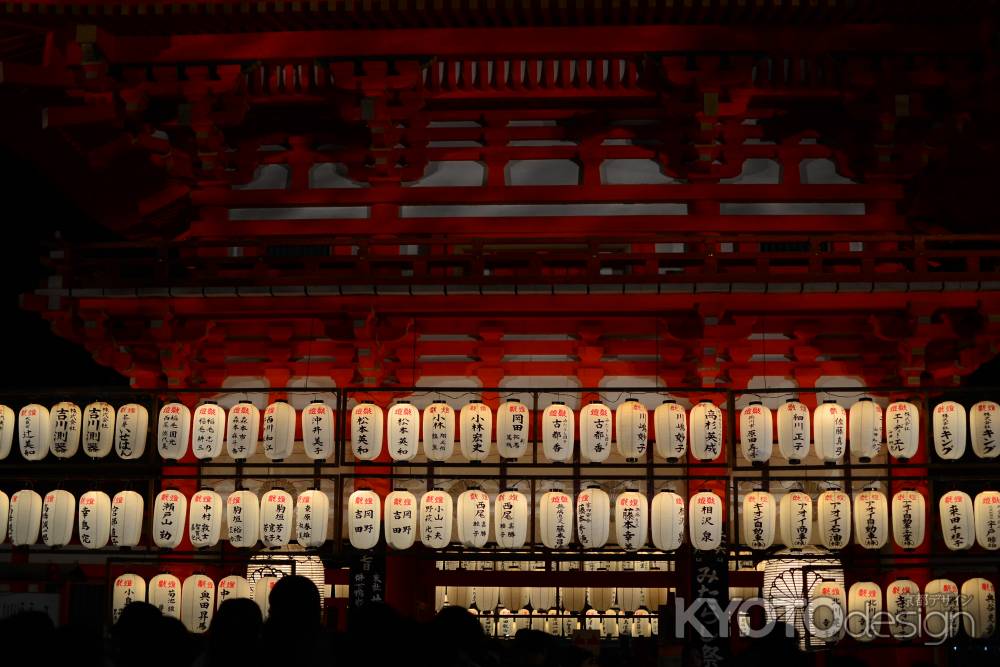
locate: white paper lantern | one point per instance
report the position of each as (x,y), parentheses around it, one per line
(789,584)
(670,422)
(279,430)
(572,599)
(558,432)
(364,517)
(632,429)
(668,521)
(982,432)
(864,605)
(317,430)
(233,587)
(205,519)
(476,430)
(756,433)
(276,518)
(948,425)
(208,427)
(610,624)
(25,518)
(705,519)
(941,608)
(4,515)
(173,430)
(595,432)
(131,426)
(705,431)
(556,511)
(793,431)
(66,423)
(631,520)
(593,517)
(262,593)
(542,598)
(592,620)
(909,519)
(830,431)
(58,516)
(169,518)
(865,429)
(759,519)
(127,509)
(242,430)
(403,437)
(243,519)
(957,520)
(795,515)
(473,518)
(400,519)
(513,429)
(871,519)
(980,604)
(505,624)
(197,603)
(987,511)
(834,514)
(902,429)
(828,602)
(128,588)
(165,594)
(436,515)
(8,424)
(439,431)
(94,524)
(35,432)
(312,516)
(511,519)
(902,599)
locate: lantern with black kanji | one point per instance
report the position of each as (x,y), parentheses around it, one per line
(871,519)
(205,519)
(317,430)
(794,429)
(276,518)
(948,426)
(364,518)
(476,430)
(233,587)
(979,602)
(165,594)
(131,426)
(864,606)
(756,433)
(668,520)
(400,519)
(909,518)
(593,517)
(67,420)
(243,429)
(986,507)
(169,518)
(513,429)
(556,510)
(865,429)
(243,519)
(595,432)
(436,516)
(173,430)
(34,432)
(94,514)
(705,521)
(830,431)
(473,518)
(197,603)
(670,422)
(902,429)
(632,429)
(759,519)
(279,430)
(795,518)
(902,598)
(833,508)
(208,430)
(128,588)
(127,509)
(982,432)
(439,431)
(705,432)
(957,520)
(510,519)
(403,437)
(312,514)
(58,516)
(558,432)
(941,608)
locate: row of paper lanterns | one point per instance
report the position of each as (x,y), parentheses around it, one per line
(611,623)
(193,600)
(208,428)
(101,520)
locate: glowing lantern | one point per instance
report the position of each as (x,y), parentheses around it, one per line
(127,509)
(670,422)
(208,429)
(436,515)
(632,429)
(556,519)
(793,431)
(243,429)
(759,510)
(830,431)
(439,431)
(317,430)
(795,514)
(128,588)
(232,587)
(276,518)
(131,426)
(987,511)
(864,605)
(473,518)
(558,432)
(505,624)
(948,425)
(486,598)
(790,580)
(4,515)
(173,430)
(592,620)
(25,517)
(542,597)
(364,516)
(756,433)
(66,420)
(197,603)
(403,432)
(706,431)
(593,517)
(98,429)
(58,515)
(610,624)
(705,519)
(902,430)
(205,519)
(941,608)
(595,432)
(668,521)
(279,430)
(834,513)
(957,520)
(262,593)
(8,424)
(513,426)
(909,511)
(829,608)
(902,599)
(981,608)
(982,431)
(476,430)
(243,519)
(35,434)
(169,515)
(631,520)
(312,515)
(511,519)
(400,519)
(367,429)
(94,519)
(165,594)
(865,429)
(871,519)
